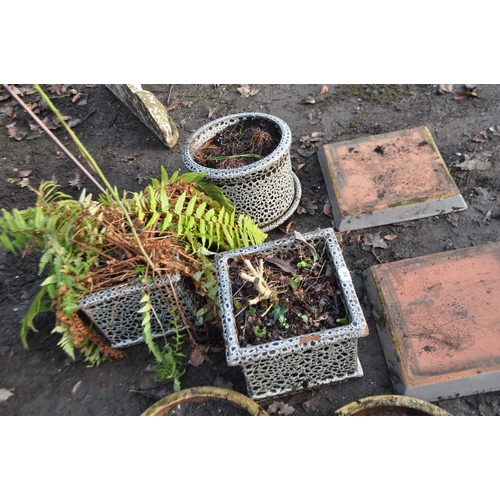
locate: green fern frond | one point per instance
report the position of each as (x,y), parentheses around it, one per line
(39,304)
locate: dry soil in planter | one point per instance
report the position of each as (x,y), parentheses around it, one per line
(309,298)
(240,144)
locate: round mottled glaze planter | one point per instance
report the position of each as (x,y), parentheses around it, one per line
(266,190)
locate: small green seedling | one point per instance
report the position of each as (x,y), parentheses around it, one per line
(279,314)
(343,321)
(303,317)
(294,282)
(251,311)
(243,155)
(259,332)
(305,262)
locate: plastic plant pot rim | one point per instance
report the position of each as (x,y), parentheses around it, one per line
(196,394)
(372,404)
(298,194)
(236,173)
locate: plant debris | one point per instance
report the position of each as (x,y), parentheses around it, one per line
(314,116)
(306,206)
(20,126)
(480,136)
(466,94)
(311,140)
(446,87)
(5,394)
(373,240)
(240,144)
(327,209)
(199,355)
(280,408)
(245,91)
(308,300)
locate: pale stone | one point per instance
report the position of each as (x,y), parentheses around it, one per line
(148,109)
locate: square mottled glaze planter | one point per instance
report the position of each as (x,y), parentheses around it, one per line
(285,366)
(114,311)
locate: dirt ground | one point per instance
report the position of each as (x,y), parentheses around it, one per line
(465,123)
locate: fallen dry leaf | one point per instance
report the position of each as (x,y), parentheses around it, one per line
(452,219)
(301,165)
(77,97)
(245,91)
(310,140)
(480,137)
(5,394)
(50,124)
(76,387)
(314,116)
(324,89)
(327,209)
(24,173)
(310,99)
(75,181)
(374,240)
(174,102)
(199,355)
(15,133)
(74,122)
(15,90)
(446,87)
(313,403)
(390,237)
(474,165)
(25,182)
(211,112)
(284,265)
(280,408)
(465,94)
(7,111)
(33,135)
(286,228)
(495,130)
(306,205)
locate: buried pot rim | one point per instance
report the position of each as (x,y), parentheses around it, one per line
(390,402)
(196,394)
(204,133)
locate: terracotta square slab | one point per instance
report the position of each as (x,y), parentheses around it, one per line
(438,318)
(387,178)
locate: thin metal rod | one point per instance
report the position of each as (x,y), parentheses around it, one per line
(53,137)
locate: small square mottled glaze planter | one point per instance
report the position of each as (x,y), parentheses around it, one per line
(318,358)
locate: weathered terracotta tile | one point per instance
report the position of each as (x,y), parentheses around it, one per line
(387,178)
(438,318)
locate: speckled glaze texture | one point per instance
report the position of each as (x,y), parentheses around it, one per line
(266,190)
(307,361)
(114,311)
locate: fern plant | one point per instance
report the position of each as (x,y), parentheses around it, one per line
(82,243)
(78,239)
